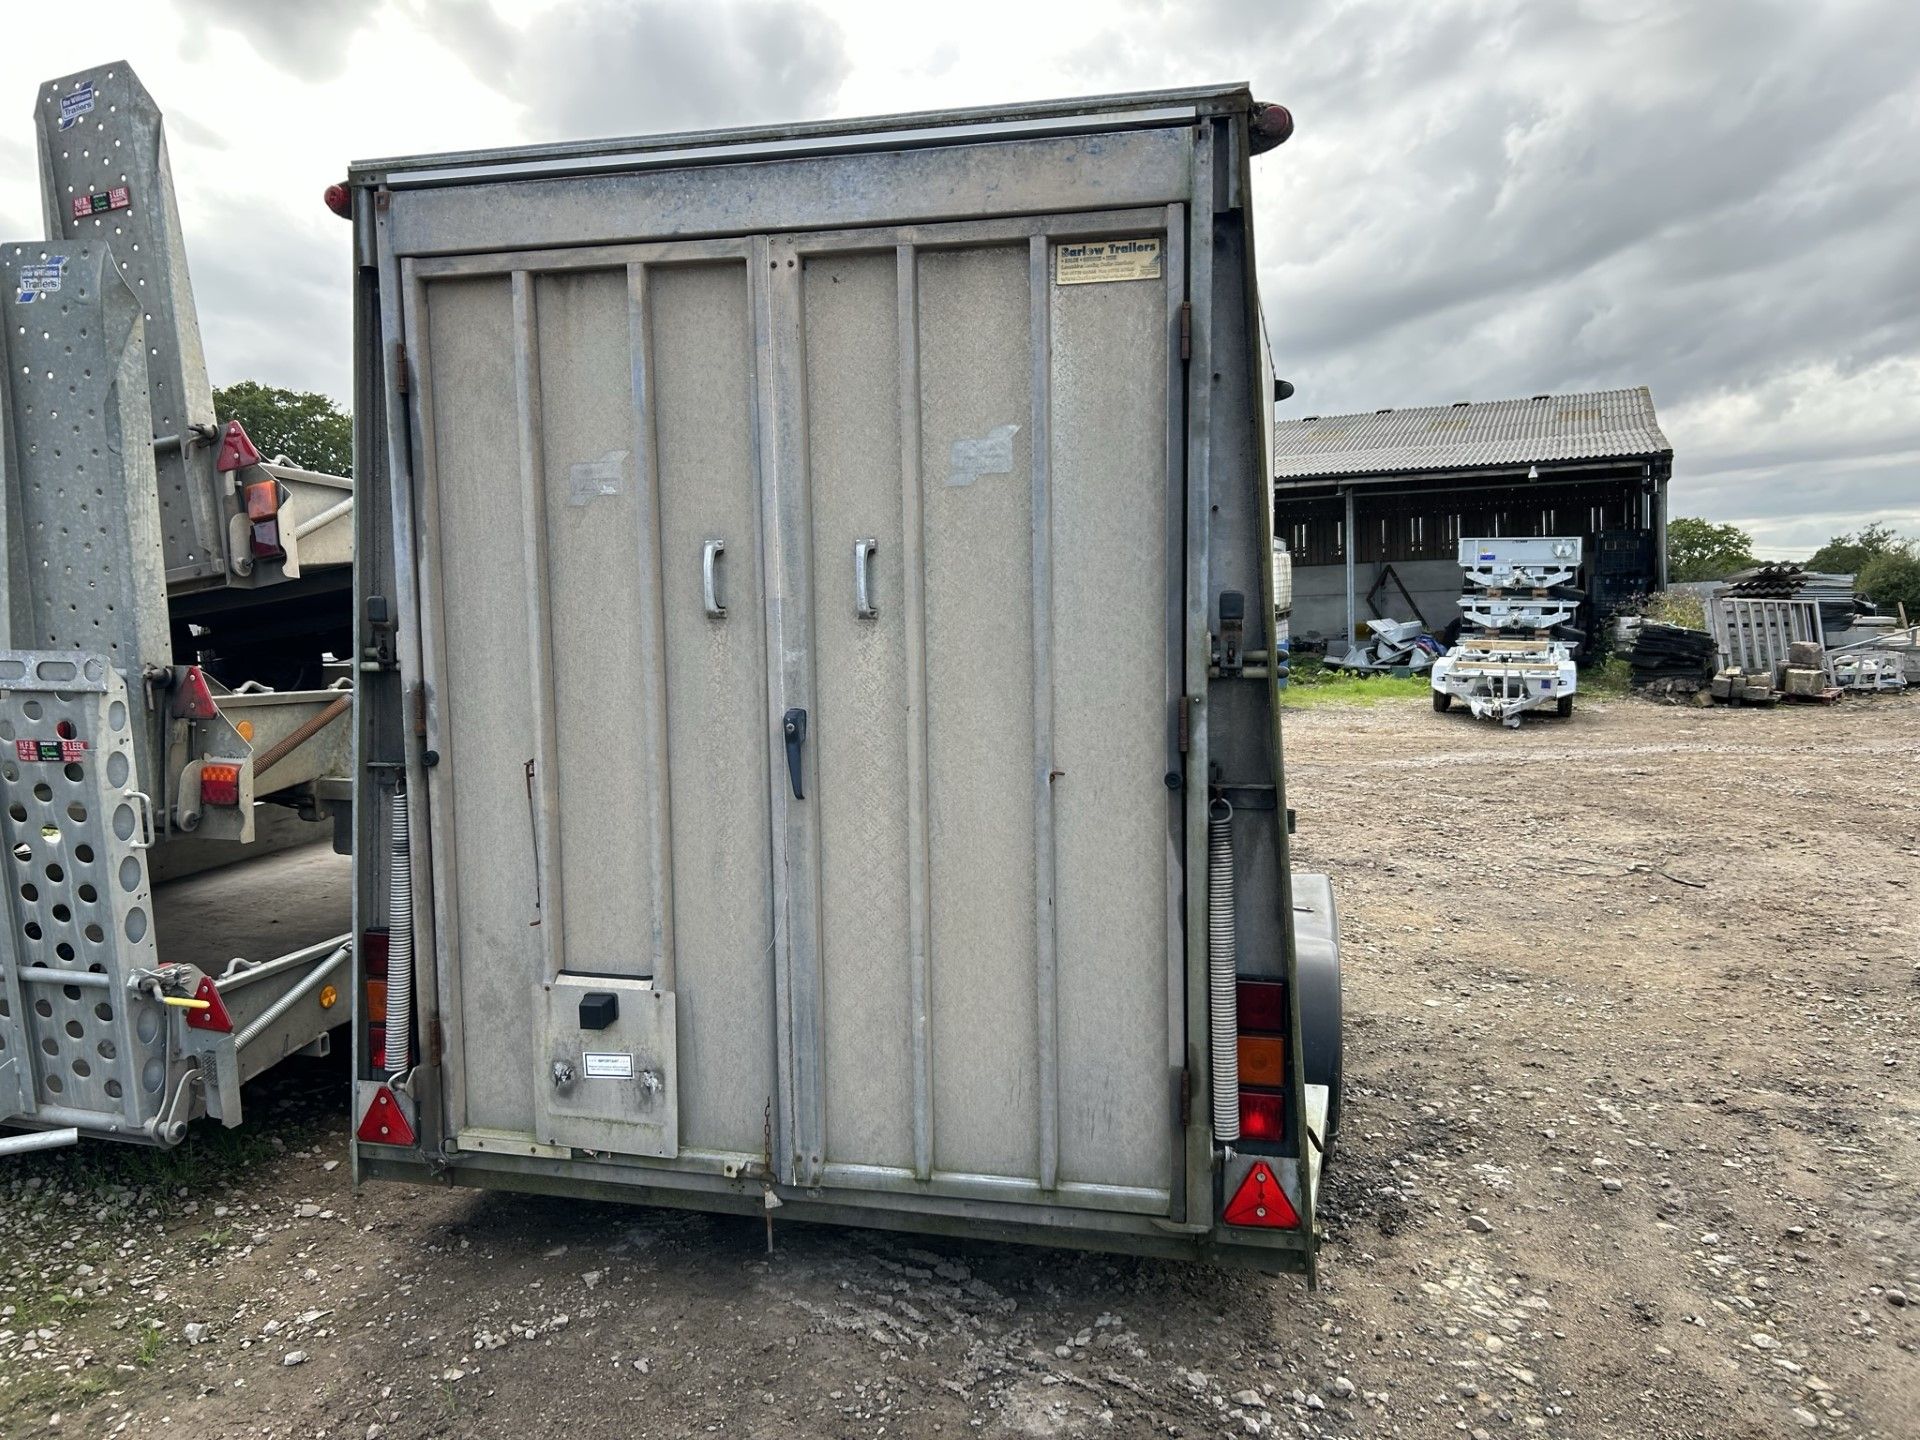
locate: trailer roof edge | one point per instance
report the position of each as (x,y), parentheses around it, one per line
(1135,110)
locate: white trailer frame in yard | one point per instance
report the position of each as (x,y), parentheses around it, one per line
(820,749)
(1508,660)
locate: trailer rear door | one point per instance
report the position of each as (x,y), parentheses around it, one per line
(803,621)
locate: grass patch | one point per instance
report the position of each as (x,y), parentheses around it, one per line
(1612,679)
(44,1389)
(1312,683)
(209,1157)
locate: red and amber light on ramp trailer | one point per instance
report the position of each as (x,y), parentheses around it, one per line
(219,784)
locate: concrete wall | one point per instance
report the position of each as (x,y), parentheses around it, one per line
(1320,596)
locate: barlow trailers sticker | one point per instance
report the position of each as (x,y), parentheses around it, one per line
(40,279)
(1094,261)
(75,104)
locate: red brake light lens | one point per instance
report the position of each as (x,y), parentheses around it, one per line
(1263,1005)
(1263,1116)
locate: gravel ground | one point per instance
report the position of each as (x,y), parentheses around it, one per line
(1632,1148)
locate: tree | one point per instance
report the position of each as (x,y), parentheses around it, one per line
(309,429)
(1892,579)
(1701,550)
(1849,554)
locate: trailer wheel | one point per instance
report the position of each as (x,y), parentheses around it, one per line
(1442,701)
(1320,1045)
(1563,707)
(1317,978)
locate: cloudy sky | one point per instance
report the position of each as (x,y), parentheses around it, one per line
(1719,199)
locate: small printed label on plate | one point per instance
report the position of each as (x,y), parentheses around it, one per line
(609,1067)
(1095,261)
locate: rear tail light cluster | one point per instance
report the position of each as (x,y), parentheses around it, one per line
(219,783)
(373,970)
(263,513)
(1259,1200)
(1263,1060)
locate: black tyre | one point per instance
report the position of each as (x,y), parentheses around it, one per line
(1442,701)
(1563,707)
(1321,1051)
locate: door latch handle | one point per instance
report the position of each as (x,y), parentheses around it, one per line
(710,579)
(863,606)
(795,727)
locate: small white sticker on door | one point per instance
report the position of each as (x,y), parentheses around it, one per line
(988,454)
(605,1066)
(1093,261)
(590,479)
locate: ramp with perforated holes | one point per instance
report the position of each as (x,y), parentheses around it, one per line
(85,568)
(105,180)
(78,1045)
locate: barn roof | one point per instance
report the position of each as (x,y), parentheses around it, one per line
(1602,425)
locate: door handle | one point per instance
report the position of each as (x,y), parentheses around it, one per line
(795,727)
(710,579)
(863,606)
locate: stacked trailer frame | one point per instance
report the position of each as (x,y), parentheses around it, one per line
(1516,614)
(817,588)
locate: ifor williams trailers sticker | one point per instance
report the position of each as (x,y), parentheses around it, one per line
(74,104)
(41,278)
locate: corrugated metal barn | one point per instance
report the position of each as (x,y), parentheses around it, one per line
(1406,485)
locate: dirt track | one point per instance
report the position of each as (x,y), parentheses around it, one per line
(1632,1148)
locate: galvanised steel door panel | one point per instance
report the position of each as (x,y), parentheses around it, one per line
(872,833)
(485,682)
(911,483)
(601,802)
(978,459)
(702,363)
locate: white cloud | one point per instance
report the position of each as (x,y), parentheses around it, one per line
(1484,198)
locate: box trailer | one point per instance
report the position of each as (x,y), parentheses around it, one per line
(817,741)
(168,596)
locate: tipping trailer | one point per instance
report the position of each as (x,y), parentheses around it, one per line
(818,750)
(166,702)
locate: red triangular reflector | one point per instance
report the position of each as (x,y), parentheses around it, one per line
(215,1016)
(193,697)
(385,1123)
(1261,1201)
(236,450)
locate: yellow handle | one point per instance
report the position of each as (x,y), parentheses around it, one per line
(186,1004)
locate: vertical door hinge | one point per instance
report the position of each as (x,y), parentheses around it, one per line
(1183,727)
(1186,1098)
(420,711)
(400,366)
(1186,329)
